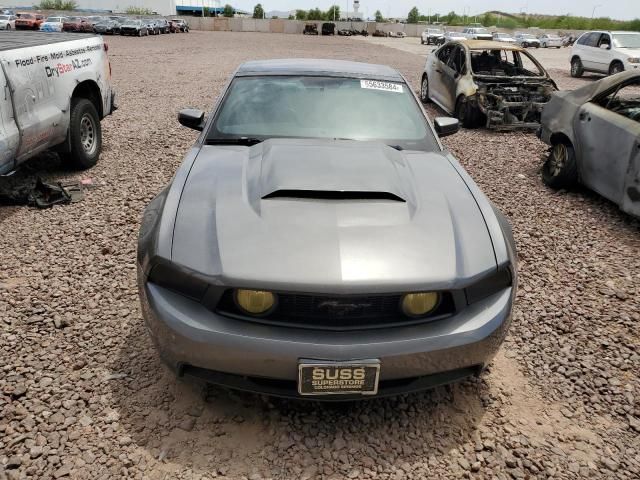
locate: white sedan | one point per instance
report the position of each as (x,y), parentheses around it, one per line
(53,24)
(454,37)
(503,37)
(7,22)
(548,41)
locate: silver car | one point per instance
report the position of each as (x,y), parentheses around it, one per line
(594,132)
(319,242)
(485,83)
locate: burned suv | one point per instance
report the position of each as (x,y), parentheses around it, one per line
(487,83)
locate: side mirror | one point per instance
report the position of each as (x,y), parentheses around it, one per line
(192,118)
(446,126)
(605,46)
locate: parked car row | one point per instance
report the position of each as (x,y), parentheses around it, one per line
(106,25)
(436,36)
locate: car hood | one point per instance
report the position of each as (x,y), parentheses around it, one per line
(339,216)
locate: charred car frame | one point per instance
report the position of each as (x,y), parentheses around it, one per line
(487,83)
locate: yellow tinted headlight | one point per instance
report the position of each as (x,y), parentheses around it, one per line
(419,304)
(255,302)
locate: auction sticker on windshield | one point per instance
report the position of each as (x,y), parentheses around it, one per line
(377,85)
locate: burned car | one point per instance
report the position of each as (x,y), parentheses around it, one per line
(594,134)
(494,84)
(318,241)
(310,29)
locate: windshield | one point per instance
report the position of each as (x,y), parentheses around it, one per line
(527,36)
(481,30)
(626,40)
(26,15)
(54,19)
(504,63)
(322,107)
(133,22)
(4,17)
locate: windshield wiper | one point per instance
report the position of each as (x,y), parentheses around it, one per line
(249,141)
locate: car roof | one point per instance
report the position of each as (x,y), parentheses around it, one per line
(308,66)
(489,45)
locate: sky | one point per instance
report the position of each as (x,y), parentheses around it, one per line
(617,9)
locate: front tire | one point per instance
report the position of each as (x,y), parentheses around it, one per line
(560,170)
(85,134)
(424,89)
(616,67)
(466,114)
(576,68)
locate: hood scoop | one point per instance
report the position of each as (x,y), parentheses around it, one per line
(329,170)
(332,195)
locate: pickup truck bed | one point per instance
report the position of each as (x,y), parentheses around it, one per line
(12,40)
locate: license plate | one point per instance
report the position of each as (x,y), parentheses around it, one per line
(338,378)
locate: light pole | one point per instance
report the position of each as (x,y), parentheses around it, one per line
(593,12)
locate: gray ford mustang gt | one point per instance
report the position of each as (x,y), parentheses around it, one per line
(318,241)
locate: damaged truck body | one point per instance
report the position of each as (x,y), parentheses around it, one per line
(484,83)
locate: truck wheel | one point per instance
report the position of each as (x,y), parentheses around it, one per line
(560,169)
(85,134)
(576,67)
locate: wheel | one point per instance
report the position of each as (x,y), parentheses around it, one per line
(616,67)
(576,67)
(85,134)
(424,89)
(544,45)
(466,114)
(560,169)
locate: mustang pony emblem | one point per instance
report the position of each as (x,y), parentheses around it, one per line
(339,308)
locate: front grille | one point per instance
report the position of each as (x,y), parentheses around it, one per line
(336,312)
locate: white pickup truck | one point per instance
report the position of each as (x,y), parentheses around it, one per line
(55,90)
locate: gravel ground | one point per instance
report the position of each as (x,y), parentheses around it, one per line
(83,394)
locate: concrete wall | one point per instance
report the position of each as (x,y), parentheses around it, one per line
(280,25)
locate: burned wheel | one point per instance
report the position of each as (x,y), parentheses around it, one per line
(560,169)
(466,113)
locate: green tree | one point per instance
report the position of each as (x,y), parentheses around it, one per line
(291,17)
(315,14)
(206,11)
(333,13)
(301,14)
(379,17)
(228,11)
(413,16)
(138,11)
(258,11)
(56,5)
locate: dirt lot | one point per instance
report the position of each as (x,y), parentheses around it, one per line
(83,394)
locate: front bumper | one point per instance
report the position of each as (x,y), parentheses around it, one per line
(262,358)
